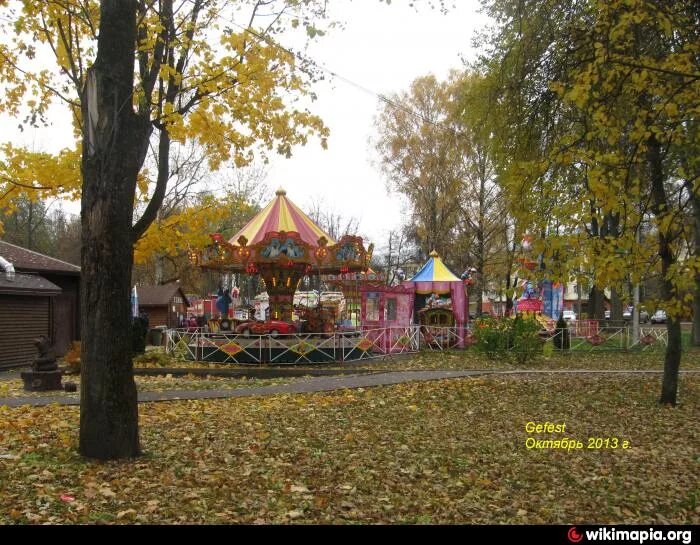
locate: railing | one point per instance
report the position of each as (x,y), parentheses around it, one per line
(613,338)
(230,347)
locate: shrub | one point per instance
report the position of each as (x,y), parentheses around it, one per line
(153,357)
(548,348)
(72,357)
(403,341)
(527,343)
(139,328)
(493,336)
(508,339)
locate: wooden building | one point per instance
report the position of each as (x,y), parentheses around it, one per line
(165,305)
(38,295)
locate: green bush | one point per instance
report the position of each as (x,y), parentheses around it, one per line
(155,358)
(516,339)
(527,343)
(493,336)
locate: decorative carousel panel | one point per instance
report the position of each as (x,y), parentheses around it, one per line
(348,254)
(282,247)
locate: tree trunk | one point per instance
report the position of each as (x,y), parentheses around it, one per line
(480,247)
(115,141)
(695,199)
(510,293)
(159,266)
(696,312)
(596,308)
(30,230)
(615,305)
(672,360)
(478,292)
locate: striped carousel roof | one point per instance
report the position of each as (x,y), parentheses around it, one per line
(435,271)
(281,214)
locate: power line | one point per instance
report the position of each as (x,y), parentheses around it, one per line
(380,96)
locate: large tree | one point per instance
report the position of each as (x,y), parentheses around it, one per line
(435,147)
(604,94)
(141,78)
(420,154)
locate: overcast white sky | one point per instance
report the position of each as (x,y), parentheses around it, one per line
(382,48)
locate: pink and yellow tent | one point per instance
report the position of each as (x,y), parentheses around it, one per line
(281,214)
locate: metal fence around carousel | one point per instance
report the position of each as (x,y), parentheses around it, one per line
(197,344)
(235,348)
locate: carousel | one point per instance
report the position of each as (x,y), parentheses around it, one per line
(282,245)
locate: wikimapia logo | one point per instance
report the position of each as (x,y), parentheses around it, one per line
(573,535)
(635,536)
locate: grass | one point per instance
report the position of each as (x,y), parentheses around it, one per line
(435,452)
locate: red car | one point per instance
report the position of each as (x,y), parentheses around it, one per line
(269,327)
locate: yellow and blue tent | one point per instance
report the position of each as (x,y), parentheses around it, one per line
(434,277)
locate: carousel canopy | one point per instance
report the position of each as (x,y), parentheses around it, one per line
(282,245)
(435,271)
(281,214)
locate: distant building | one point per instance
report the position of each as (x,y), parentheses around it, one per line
(165,305)
(39,295)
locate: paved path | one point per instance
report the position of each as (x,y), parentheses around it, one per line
(324,384)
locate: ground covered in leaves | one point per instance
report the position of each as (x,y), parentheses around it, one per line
(449,451)
(595,360)
(15,387)
(472,359)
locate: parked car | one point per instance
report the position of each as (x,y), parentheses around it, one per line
(643,315)
(569,315)
(267,327)
(659,317)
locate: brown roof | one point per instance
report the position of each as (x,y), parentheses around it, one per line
(159,295)
(27,284)
(30,261)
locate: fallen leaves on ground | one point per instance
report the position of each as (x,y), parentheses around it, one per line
(450,451)
(471,359)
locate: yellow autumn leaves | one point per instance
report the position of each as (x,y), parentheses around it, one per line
(231,93)
(441,452)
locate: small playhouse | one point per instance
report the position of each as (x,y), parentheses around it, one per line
(441,303)
(435,298)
